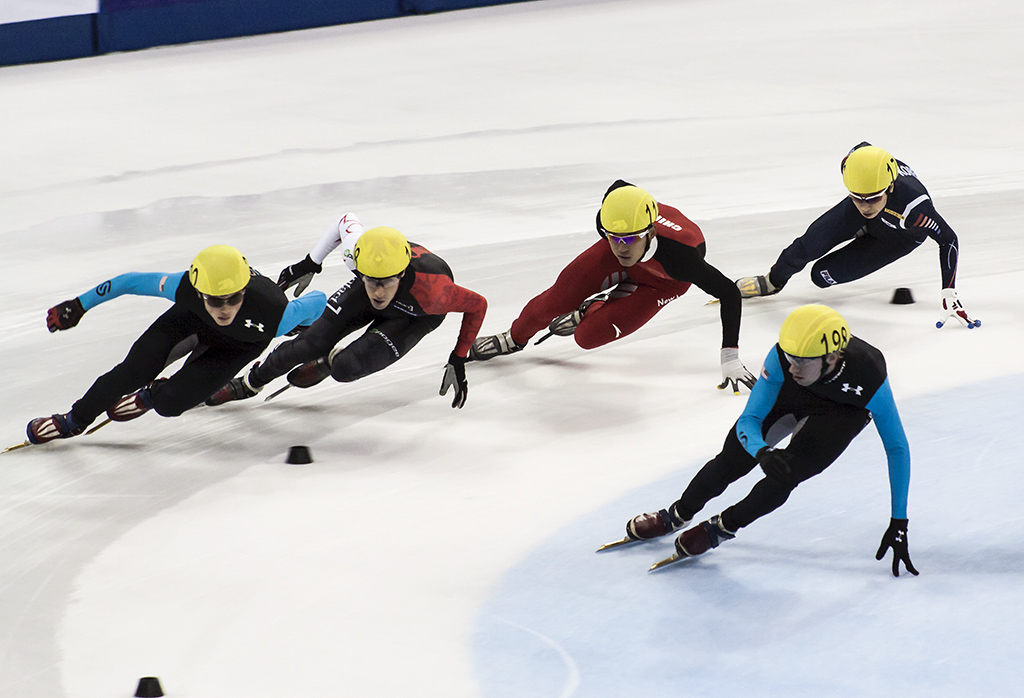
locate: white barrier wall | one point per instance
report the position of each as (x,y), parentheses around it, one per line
(28,10)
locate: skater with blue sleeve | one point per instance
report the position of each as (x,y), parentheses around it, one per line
(821,386)
(225,314)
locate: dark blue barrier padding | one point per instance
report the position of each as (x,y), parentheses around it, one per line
(424,6)
(127,30)
(128,25)
(53,39)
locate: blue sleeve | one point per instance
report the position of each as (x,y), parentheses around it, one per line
(134,283)
(302,311)
(759,404)
(897,450)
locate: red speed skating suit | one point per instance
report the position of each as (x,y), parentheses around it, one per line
(674,261)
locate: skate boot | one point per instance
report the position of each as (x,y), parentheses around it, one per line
(565,325)
(310,373)
(131,406)
(59,426)
(485,348)
(754,286)
(701,538)
(237,389)
(653,525)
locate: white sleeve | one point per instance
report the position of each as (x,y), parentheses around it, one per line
(345,233)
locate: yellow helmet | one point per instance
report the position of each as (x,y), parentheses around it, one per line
(869,170)
(220,270)
(813,330)
(626,210)
(381,252)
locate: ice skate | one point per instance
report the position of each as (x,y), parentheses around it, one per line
(697,541)
(236,389)
(703,537)
(565,325)
(647,527)
(485,348)
(654,525)
(310,373)
(754,286)
(58,426)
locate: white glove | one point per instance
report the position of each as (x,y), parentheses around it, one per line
(733,371)
(952,307)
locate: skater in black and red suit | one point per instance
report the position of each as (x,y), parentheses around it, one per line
(401,293)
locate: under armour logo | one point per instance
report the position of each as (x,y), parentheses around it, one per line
(848,389)
(257,325)
(618,332)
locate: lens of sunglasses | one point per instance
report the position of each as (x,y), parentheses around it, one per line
(870,199)
(801,361)
(628,239)
(221,301)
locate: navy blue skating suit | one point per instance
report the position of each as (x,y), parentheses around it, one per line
(908,219)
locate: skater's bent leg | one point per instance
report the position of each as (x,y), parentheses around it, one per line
(717,474)
(619,317)
(315,342)
(144,362)
(859,258)
(578,281)
(382,345)
(200,378)
(818,443)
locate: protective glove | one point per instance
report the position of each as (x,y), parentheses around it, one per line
(953,308)
(64,316)
(896,538)
(776,463)
(455,375)
(733,371)
(298,275)
(754,286)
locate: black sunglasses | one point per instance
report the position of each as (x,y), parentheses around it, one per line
(221,301)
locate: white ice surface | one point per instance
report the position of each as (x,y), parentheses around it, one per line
(26,10)
(433,552)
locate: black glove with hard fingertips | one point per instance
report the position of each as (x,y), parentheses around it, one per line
(298,275)
(896,538)
(455,376)
(776,463)
(64,316)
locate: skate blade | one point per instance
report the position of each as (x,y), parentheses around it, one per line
(713,301)
(666,562)
(99,426)
(270,397)
(15,447)
(617,544)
